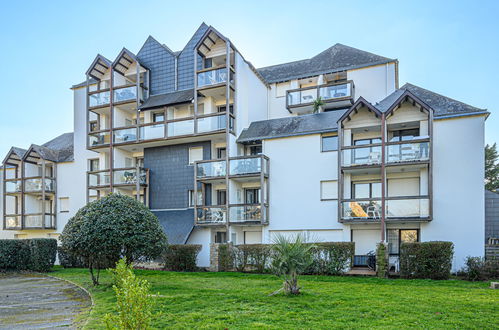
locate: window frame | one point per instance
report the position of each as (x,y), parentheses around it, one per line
(321,190)
(61,210)
(324,136)
(190,161)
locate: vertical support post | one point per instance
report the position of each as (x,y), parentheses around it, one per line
(54,211)
(195,193)
(383,176)
(195,90)
(22,195)
(263,190)
(137,181)
(227,137)
(43,193)
(4,198)
(340,172)
(430,164)
(137,111)
(165,113)
(111,129)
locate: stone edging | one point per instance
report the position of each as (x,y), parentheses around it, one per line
(92,304)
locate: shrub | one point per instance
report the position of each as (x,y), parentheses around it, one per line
(14,254)
(114,226)
(36,254)
(43,252)
(481,269)
(381,260)
(431,260)
(290,258)
(225,257)
(181,257)
(254,257)
(134,304)
(69,260)
(331,258)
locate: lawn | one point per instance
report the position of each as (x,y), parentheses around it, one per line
(235,300)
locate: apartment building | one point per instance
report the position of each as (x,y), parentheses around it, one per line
(221,151)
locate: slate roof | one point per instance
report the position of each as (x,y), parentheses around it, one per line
(59,149)
(174,224)
(336,58)
(177,97)
(292,126)
(441,105)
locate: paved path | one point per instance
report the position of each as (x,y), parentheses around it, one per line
(39,302)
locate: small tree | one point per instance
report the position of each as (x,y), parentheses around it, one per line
(134,303)
(318,103)
(491,167)
(291,257)
(114,226)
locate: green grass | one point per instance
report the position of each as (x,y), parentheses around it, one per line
(235,300)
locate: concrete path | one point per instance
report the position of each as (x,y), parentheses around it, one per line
(39,302)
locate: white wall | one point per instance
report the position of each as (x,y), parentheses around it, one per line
(297,166)
(201,236)
(373,83)
(458,186)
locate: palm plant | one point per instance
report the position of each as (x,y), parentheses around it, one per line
(291,257)
(318,103)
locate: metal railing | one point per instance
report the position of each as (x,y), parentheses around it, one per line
(370,155)
(37,184)
(242,165)
(408,152)
(99,99)
(247,213)
(363,209)
(213,76)
(407,207)
(327,93)
(128,176)
(13,185)
(211,214)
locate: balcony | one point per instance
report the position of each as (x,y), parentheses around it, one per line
(211,215)
(213,77)
(408,152)
(396,208)
(99,139)
(13,186)
(37,184)
(336,95)
(98,179)
(128,176)
(355,156)
(238,166)
(39,221)
(13,221)
(125,135)
(124,94)
(248,213)
(99,99)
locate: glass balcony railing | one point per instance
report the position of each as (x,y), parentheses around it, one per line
(213,77)
(178,128)
(99,99)
(243,213)
(125,94)
(12,221)
(211,124)
(361,156)
(211,169)
(328,93)
(99,179)
(245,166)
(408,152)
(13,186)
(408,208)
(38,220)
(128,176)
(211,214)
(37,184)
(125,135)
(151,132)
(361,209)
(99,138)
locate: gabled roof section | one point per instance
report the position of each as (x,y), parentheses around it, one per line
(166,99)
(442,106)
(334,59)
(152,40)
(124,60)
(209,38)
(292,126)
(14,154)
(99,67)
(43,152)
(358,104)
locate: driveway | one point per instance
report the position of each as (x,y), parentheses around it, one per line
(39,302)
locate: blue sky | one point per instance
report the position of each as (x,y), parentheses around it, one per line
(450,47)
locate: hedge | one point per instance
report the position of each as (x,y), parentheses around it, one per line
(36,254)
(480,269)
(431,260)
(181,257)
(331,258)
(381,260)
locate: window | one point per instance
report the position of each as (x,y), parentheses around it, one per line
(404,135)
(221,153)
(395,237)
(220,237)
(157,117)
(329,143)
(128,162)
(367,190)
(195,154)
(94,126)
(199,199)
(254,150)
(329,190)
(362,142)
(221,197)
(64,204)
(93,164)
(222,108)
(252,196)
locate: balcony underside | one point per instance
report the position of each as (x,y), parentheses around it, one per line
(387,220)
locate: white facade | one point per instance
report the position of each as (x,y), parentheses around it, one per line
(303,189)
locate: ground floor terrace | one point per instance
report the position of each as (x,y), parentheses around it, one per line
(237,300)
